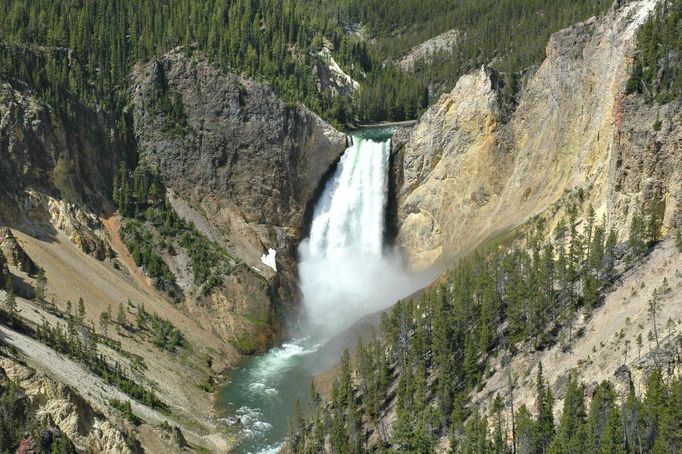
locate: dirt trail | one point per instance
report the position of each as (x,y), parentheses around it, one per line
(112,224)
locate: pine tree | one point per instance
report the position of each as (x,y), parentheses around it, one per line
(104,322)
(475,439)
(570,432)
(601,409)
(499,435)
(345,391)
(545,422)
(81,310)
(652,409)
(121,318)
(403,431)
(637,241)
(653,226)
(10,299)
(631,421)
(41,284)
(654,308)
(612,439)
(526,432)
(296,430)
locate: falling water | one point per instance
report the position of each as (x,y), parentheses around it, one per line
(346,272)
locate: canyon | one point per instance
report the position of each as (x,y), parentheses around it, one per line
(499,158)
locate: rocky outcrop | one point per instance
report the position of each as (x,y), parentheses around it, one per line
(425,52)
(646,161)
(471,174)
(89,430)
(330,76)
(54,171)
(14,253)
(4,270)
(245,159)
(42,150)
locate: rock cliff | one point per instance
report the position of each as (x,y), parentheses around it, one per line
(470,171)
(239,163)
(87,428)
(55,171)
(245,159)
(51,153)
(13,253)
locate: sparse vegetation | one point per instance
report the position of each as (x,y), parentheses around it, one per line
(21,430)
(656,73)
(435,350)
(87,52)
(164,334)
(154,229)
(645,227)
(79,343)
(126,409)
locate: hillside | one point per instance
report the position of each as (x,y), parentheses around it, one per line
(554,204)
(477,166)
(145,246)
(161,163)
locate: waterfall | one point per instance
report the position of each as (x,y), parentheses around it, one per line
(345,270)
(349,218)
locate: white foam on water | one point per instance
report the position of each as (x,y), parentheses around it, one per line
(278,360)
(261,388)
(273,449)
(250,420)
(346,271)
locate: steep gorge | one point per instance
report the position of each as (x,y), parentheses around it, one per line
(471,171)
(242,170)
(243,167)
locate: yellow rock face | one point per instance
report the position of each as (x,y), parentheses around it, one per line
(472,171)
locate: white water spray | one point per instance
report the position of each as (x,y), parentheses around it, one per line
(346,272)
(344,268)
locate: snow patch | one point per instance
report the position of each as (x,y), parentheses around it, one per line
(269,259)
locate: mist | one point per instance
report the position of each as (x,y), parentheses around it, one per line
(342,289)
(345,269)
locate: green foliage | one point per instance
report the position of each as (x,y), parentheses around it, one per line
(169,103)
(510,34)
(141,244)
(10,303)
(41,284)
(78,343)
(85,50)
(126,409)
(545,420)
(164,334)
(18,418)
(153,228)
(645,227)
(91,48)
(433,352)
(656,73)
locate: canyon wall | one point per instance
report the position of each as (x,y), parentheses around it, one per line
(472,169)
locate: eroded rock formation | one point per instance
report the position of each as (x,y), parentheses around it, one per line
(471,174)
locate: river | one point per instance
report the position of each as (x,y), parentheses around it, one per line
(346,271)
